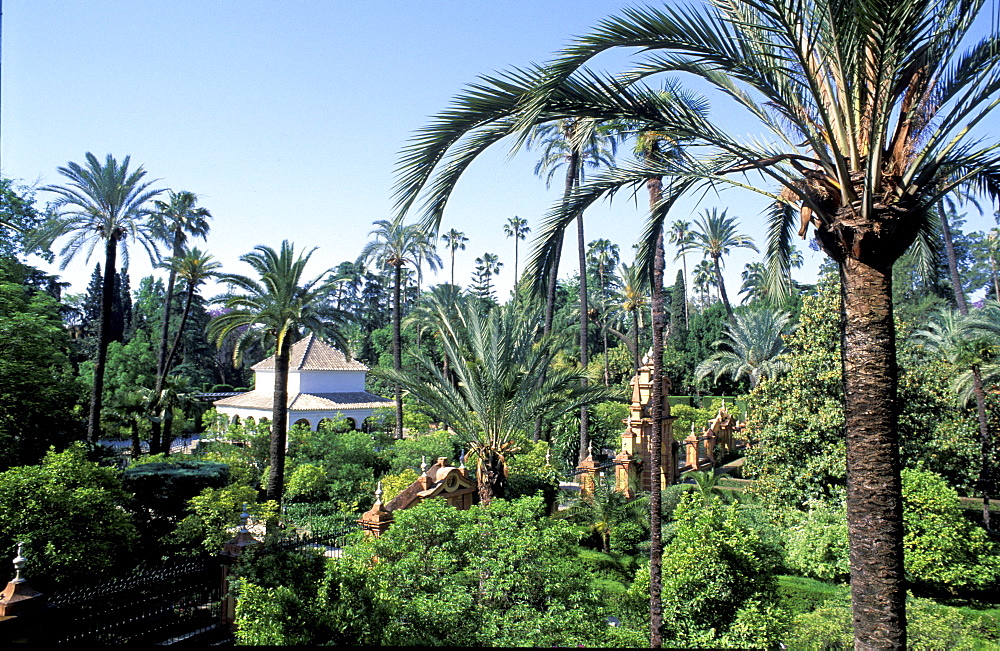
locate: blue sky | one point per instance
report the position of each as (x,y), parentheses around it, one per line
(287,117)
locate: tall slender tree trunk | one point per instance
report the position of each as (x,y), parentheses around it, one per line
(162,363)
(279,422)
(397,356)
(687,316)
(977,376)
(722,289)
(874,492)
(584,329)
(949,249)
(635,339)
(654,185)
(103,339)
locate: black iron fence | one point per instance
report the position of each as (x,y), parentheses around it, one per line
(178,601)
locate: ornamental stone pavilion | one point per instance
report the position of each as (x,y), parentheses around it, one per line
(322,383)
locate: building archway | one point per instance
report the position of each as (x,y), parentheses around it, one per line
(304,422)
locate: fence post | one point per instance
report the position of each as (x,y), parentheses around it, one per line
(230,554)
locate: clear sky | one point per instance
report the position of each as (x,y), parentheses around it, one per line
(287,118)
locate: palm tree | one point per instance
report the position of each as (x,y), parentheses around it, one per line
(993,252)
(704,279)
(968,343)
(172,222)
(632,299)
(754,277)
(275,310)
(872,113)
(395,245)
(577,144)
(194,268)
(105,204)
(714,235)
(680,235)
(603,255)
(518,229)
(499,362)
(751,348)
(455,240)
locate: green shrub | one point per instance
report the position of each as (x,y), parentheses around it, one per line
(528,474)
(70,514)
(941,546)
(214,515)
(817,545)
(716,564)
(408,453)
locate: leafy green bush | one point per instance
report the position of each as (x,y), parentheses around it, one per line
(929,627)
(408,453)
(817,544)
(941,546)
(528,474)
(501,575)
(71,515)
(214,515)
(716,564)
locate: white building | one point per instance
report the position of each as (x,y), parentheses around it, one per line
(321,384)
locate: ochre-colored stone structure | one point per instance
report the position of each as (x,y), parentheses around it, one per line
(635,453)
(440,480)
(716,440)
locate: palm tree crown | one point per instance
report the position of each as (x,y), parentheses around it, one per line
(101,204)
(715,234)
(751,348)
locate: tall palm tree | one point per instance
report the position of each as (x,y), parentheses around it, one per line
(276,309)
(872,113)
(518,229)
(703,279)
(968,342)
(173,222)
(680,235)
(604,255)
(714,234)
(106,204)
(750,348)
(632,299)
(194,268)
(577,144)
(454,240)
(500,363)
(395,245)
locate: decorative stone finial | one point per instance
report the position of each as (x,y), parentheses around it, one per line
(244,519)
(423,465)
(462,460)
(548,457)
(19,563)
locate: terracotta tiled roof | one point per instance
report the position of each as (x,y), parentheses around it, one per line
(308,401)
(311,354)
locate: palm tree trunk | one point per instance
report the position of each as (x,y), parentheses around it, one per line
(687,316)
(874,492)
(722,290)
(397,357)
(635,338)
(655,187)
(949,248)
(996,281)
(985,444)
(162,362)
(103,339)
(584,328)
(279,421)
